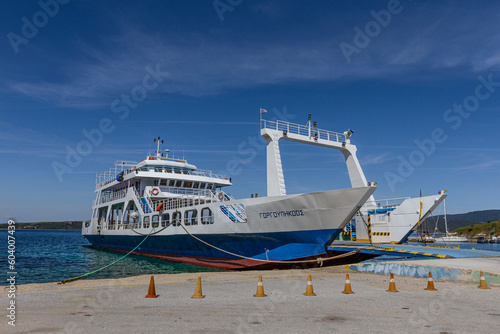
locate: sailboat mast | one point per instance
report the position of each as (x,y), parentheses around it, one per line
(445,221)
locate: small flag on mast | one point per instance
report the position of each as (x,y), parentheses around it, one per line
(263,111)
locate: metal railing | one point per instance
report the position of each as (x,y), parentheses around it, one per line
(386,203)
(187,191)
(109,175)
(111,196)
(197,198)
(178,203)
(303,130)
(127,167)
(197,172)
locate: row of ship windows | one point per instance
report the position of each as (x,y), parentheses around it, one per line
(164,170)
(190,217)
(184,184)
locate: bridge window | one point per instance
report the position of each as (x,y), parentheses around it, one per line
(196,185)
(188,184)
(206,216)
(171,183)
(163,182)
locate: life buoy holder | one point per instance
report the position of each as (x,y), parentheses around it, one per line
(221,196)
(159,207)
(155,191)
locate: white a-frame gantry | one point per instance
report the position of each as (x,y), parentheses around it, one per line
(273,131)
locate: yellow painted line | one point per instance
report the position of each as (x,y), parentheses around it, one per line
(428,254)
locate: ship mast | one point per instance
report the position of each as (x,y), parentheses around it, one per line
(157,141)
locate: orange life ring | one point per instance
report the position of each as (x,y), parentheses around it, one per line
(159,207)
(124,193)
(155,191)
(221,196)
(103,199)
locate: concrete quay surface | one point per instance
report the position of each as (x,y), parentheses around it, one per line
(119,306)
(462,269)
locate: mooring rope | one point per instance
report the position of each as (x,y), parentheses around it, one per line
(319,260)
(64,281)
(151,231)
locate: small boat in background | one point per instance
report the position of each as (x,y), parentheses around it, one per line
(427,239)
(494,240)
(482,240)
(451,238)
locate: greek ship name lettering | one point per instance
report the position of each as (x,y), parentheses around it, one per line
(279,214)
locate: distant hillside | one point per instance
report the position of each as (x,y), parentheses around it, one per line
(484,230)
(75,225)
(460,220)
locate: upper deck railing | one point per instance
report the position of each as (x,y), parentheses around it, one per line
(110,175)
(128,167)
(303,130)
(386,203)
(197,172)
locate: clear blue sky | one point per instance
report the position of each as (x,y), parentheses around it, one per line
(197,72)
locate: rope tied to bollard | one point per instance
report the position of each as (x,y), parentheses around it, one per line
(68,280)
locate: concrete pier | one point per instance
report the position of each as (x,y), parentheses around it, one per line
(463,269)
(119,306)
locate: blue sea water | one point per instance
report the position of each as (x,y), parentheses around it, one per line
(51,256)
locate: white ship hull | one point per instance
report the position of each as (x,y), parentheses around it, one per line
(450,239)
(277,228)
(395,224)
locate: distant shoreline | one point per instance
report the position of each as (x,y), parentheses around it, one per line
(46,226)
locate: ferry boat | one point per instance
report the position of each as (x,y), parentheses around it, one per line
(178,212)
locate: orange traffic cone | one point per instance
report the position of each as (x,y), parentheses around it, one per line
(260,289)
(347,288)
(482,282)
(197,291)
(430,283)
(152,291)
(309,289)
(392,284)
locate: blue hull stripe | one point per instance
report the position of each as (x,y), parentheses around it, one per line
(272,246)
